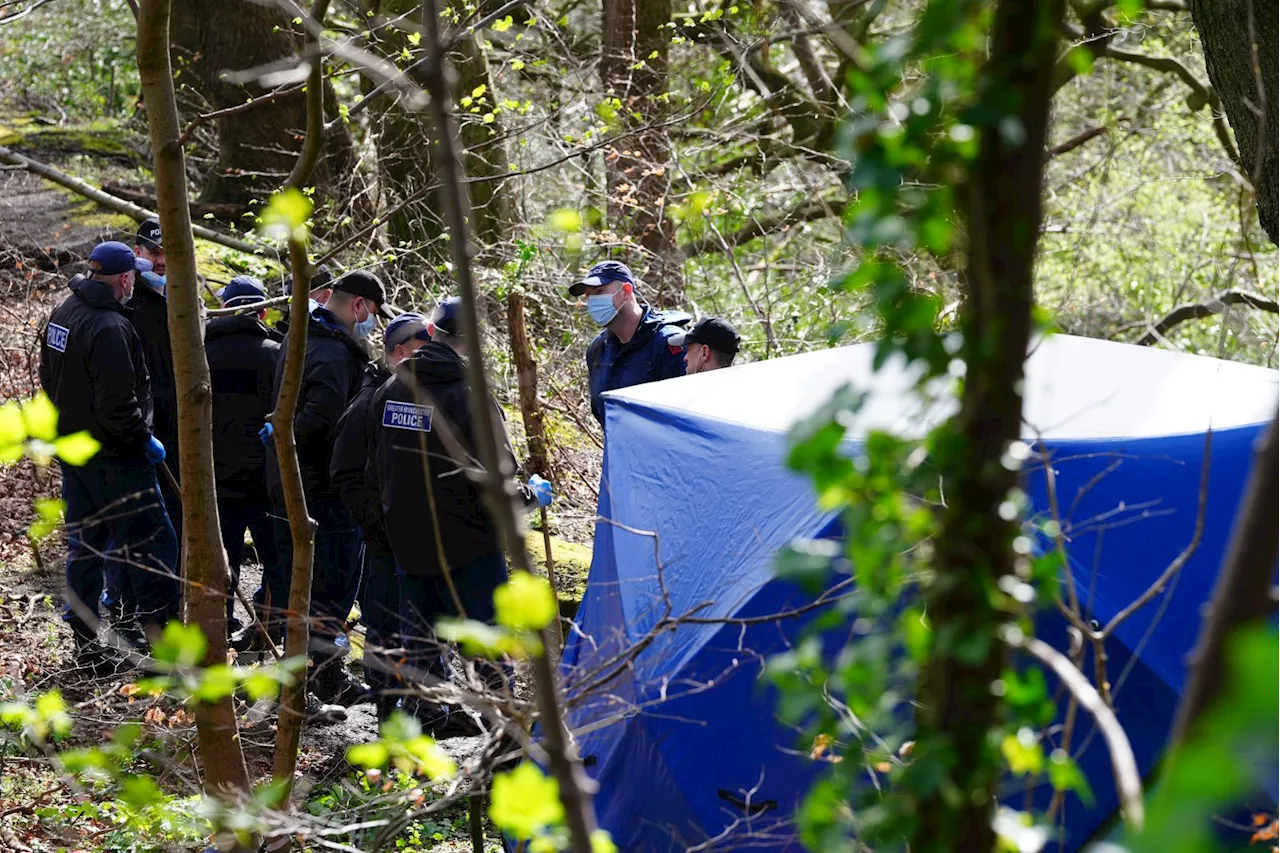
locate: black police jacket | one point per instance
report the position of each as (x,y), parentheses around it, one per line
(414,472)
(242,357)
(150,316)
(350,453)
(331,375)
(94,370)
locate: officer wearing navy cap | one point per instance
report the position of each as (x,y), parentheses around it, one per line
(439,528)
(93,368)
(636,344)
(710,345)
(380,596)
(242,354)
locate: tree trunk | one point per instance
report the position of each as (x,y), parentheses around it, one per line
(258,148)
(205,560)
(638,168)
(974,546)
(404,133)
(1240,39)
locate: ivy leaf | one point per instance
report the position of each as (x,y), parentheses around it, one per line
(525,801)
(525,603)
(181,645)
(41,417)
(77,448)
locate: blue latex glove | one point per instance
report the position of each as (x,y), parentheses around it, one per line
(154,451)
(267,434)
(541,490)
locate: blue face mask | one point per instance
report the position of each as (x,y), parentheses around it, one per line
(365,327)
(601,308)
(156,281)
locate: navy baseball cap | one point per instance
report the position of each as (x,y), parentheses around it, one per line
(149,234)
(242,290)
(406,327)
(114,257)
(447,317)
(713,332)
(603,273)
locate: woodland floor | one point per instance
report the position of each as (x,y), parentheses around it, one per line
(43,229)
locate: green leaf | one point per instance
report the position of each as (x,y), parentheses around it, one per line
(415,39)
(501,26)
(286,215)
(400,727)
(1065,775)
(479,639)
(50,511)
(1023,753)
(140,791)
(216,683)
(261,685)
(373,754)
(428,758)
(525,801)
(41,417)
(1080,59)
(181,645)
(479,91)
(525,603)
(77,448)
(13,429)
(566,220)
(602,842)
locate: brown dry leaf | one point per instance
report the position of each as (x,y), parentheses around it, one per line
(1267,833)
(883,767)
(154,716)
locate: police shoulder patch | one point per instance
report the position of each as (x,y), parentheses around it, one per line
(398,415)
(674,350)
(56,337)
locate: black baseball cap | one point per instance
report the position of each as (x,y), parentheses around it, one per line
(149,235)
(713,332)
(366,284)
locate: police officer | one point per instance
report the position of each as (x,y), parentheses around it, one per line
(635,346)
(242,355)
(710,345)
(93,368)
(332,374)
(433,511)
(380,598)
(321,279)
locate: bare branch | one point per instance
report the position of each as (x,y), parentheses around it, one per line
(1076,141)
(36,5)
(809,210)
(252,104)
(1200,310)
(1123,764)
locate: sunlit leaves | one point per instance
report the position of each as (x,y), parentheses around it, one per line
(46,717)
(403,744)
(31,429)
(565,220)
(1022,752)
(180,645)
(286,215)
(525,603)
(77,448)
(49,515)
(525,802)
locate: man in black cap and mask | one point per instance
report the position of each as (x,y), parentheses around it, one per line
(332,374)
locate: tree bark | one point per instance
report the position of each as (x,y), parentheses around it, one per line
(403,134)
(256,150)
(226,776)
(1240,40)
(974,545)
(633,69)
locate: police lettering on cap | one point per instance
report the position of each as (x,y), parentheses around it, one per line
(114,257)
(366,284)
(149,235)
(406,327)
(713,332)
(242,290)
(601,274)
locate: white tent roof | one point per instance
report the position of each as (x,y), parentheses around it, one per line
(1075,388)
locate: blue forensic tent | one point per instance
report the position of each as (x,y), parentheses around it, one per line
(696,500)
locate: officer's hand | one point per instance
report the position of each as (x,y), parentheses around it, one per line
(154,451)
(541,490)
(266,434)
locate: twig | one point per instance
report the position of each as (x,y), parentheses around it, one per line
(1076,141)
(251,104)
(1199,310)
(1123,764)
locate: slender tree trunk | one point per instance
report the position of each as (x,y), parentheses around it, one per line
(205,560)
(301,527)
(256,149)
(633,69)
(974,545)
(567,769)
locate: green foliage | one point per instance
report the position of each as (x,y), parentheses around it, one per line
(31,429)
(403,744)
(38,721)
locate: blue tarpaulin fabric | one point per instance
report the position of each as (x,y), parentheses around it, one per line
(681,734)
